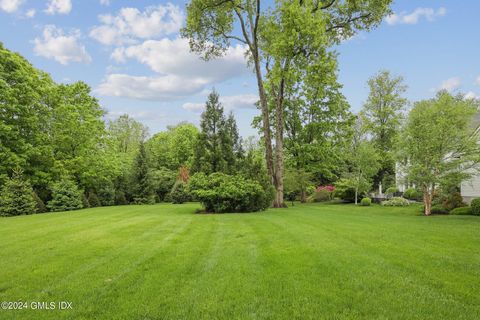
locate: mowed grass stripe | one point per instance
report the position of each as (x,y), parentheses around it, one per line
(310,261)
(399,261)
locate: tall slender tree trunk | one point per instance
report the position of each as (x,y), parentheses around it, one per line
(303,195)
(267,137)
(279,164)
(427,199)
(356,195)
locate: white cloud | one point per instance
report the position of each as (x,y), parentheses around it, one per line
(450,84)
(105,2)
(429,14)
(167,87)
(10,5)
(131,24)
(140,115)
(477,81)
(59,6)
(31,13)
(471,95)
(241,101)
(179,73)
(174,57)
(57,45)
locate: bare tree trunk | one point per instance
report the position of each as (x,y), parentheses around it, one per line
(265,120)
(356,195)
(303,196)
(279,165)
(427,200)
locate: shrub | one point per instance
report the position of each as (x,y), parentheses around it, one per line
(475,205)
(438,210)
(17,196)
(65,196)
(310,190)
(163,181)
(85,202)
(391,190)
(40,206)
(396,202)
(146,199)
(411,194)
(106,194)
(366,202)
(321,195)
(220,193)
(452,201)
(345,190)
(179,193)
(93,200)
(120,198)
(462,211)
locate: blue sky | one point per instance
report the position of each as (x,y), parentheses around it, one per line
(130,54)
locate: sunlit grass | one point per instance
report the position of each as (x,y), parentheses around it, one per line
(306,262)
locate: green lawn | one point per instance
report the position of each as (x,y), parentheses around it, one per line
(306,262)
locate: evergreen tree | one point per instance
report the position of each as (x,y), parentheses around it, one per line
(232,145)
(218,146)
(40,206)
(142,184)
(65,196)
(93,200)
(17,196)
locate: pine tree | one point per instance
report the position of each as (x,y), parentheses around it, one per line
(65,196)
(17,196)
(218,146)
(231,145)
(142,184)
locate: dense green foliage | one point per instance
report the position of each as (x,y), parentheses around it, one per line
(396,202)
(383,115)
(17,197)
(475,205)
(65,196)
(366,202)
(142,184)
(309,261)
(220,193)
(179,193)
(464,211)
(439,143)
(218,147)
(411,194)
(438,209)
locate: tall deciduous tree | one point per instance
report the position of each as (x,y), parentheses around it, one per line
(439,143)
(363,160)
(173,148)
(78,137)
(25,111)
(383,112)
(213,24)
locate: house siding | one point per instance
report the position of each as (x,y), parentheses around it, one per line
(470,189)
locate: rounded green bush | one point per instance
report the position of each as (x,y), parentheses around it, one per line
(411,194)
(366,202)
(475,204)
(438,210)
(461,211)
(391,190)
(219,192)
(396,202)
